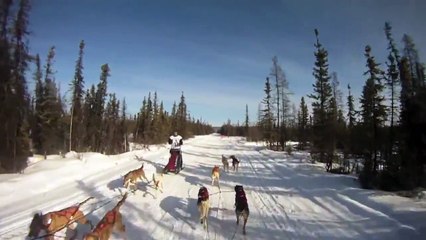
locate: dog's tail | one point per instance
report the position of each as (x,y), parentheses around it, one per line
(83,202)
(121,201)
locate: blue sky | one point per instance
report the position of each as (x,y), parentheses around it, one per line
(217,52)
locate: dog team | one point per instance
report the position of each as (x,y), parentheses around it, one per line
(241,206)
(52,222)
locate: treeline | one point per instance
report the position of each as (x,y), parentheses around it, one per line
(388,130)
(40,122)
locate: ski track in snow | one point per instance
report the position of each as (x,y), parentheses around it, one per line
(288,197)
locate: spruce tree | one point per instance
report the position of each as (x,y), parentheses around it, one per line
(37,129)
(99,107)
(16,98)
(267,116)
(392,83)
(181,117)
(373,113)
(123,128)
(303,118)
(246,123)
(77,89)
(322,95)
(51,110)
(412,117)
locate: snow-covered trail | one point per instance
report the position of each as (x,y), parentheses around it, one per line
(288,197)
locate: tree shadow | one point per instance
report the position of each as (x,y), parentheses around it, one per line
(174,206)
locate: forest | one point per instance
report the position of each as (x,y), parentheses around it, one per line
(387,130)
(385,126)
(40,121)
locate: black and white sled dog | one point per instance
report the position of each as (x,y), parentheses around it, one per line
(241,206)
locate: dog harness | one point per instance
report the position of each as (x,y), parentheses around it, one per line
(109,218)
(240,200)
(203,194)
(67,213)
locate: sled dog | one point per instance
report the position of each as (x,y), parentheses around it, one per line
(241,206)
(235,163)
(52,222)
(215,175)
(203,205)
(225,163)
(112,221)
(157,179)
(131,177)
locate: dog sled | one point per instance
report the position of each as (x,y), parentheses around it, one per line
(175,162)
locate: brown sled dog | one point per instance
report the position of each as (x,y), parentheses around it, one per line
(241,206)
(215,175)
(131,177)
(53,222)
(113,220)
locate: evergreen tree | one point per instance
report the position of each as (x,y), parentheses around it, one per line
(14,97)
(392,82)
(37,129)
(246,123)
(123,128)
(51,110)
(322,95)
(77,89)
(413,117)
(303,118)
(5,7)
(351,122)
(99,107)
(267,117)
(111,140)
(351,109)
(373,113)
(89,119)
(155,124)
(181,116)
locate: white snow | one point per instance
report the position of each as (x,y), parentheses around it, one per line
(289,197)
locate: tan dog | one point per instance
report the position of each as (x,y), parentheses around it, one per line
(225,163)
(215,175)
(203,204)
(113,220)
(157,179)
(131,177)
(53,222)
